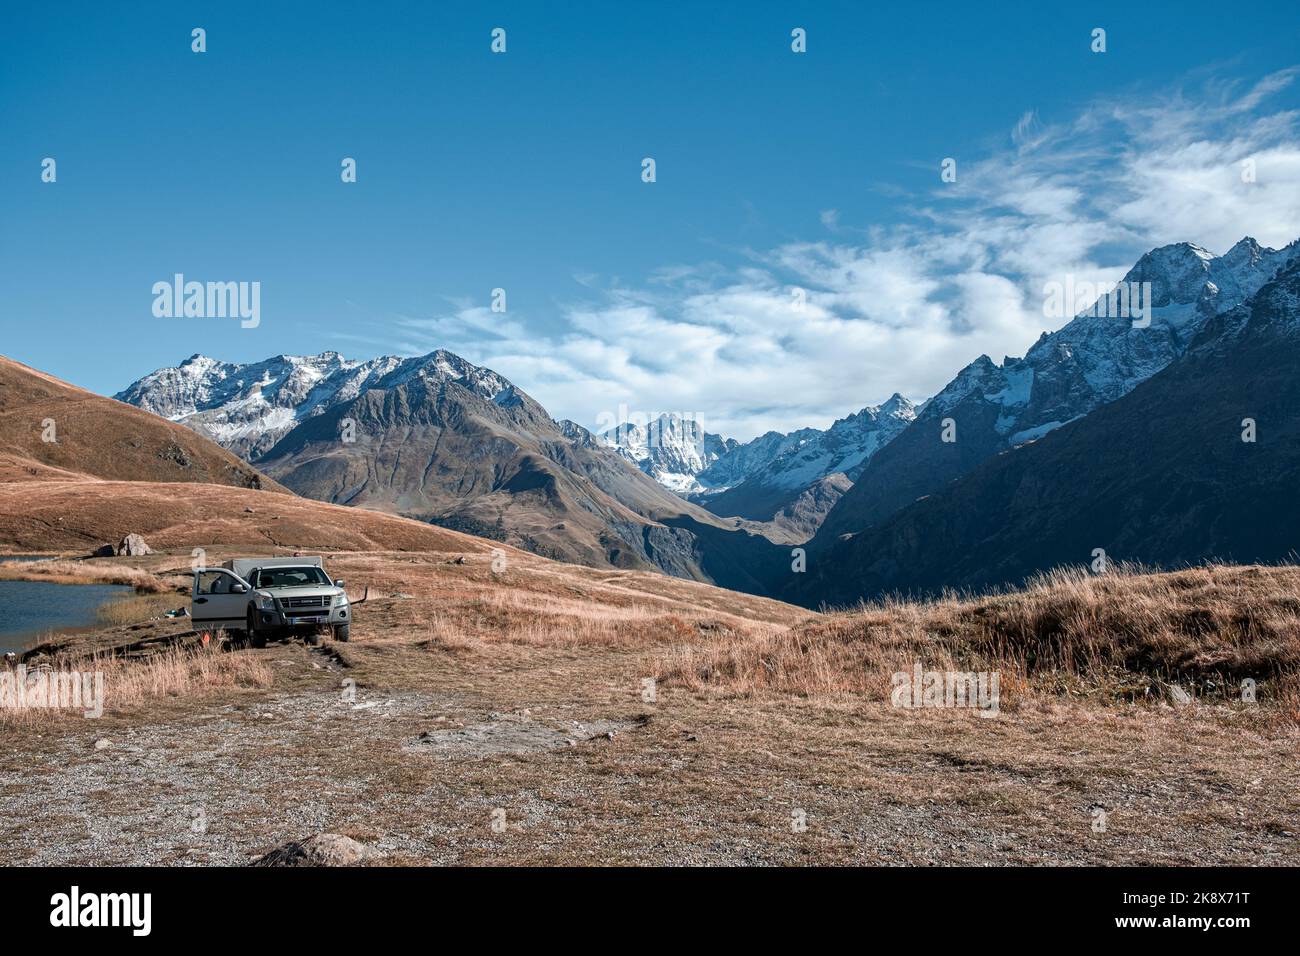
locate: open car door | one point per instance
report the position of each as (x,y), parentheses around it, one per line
(219,598)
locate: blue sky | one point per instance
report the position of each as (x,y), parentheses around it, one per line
(775,170)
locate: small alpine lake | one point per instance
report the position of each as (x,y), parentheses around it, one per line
(29,609)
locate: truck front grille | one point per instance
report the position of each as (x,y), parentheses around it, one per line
(306,602)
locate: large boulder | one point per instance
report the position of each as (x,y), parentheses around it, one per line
(323,849)
(134,545)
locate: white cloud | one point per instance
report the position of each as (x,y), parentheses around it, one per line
(906,308)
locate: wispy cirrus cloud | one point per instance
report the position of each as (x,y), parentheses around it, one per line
(904,308)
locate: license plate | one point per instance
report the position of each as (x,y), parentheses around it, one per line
(312,620)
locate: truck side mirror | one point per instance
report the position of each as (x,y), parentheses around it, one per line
(238,588)
(338,583)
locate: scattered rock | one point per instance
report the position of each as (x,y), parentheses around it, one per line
(103,551)
(174,452)
(133,545)
(323,849)
(103,743)
(249,511)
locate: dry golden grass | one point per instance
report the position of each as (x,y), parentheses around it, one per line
(61,571)
(545,620)
(691,777)
(137,608)
(193,671)
(474,620)
(182,671)
(99,437)
(429,602)
(1123,635)
(34,516)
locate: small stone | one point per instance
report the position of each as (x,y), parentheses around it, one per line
(323,849)
(103,743)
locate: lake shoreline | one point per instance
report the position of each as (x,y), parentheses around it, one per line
(38,611)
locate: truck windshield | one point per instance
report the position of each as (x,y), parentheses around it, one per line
(290,577)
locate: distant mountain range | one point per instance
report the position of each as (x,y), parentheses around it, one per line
(441,439)
(1066,374)
(798,487)
(787,482)
(791,479)
(1196,462)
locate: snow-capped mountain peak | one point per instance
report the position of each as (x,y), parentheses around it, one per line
(248,408)
(673,449)
(844,448)
(676,451)
(1095,358)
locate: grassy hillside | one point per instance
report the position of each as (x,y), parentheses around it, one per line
(103,438)
(1121,636)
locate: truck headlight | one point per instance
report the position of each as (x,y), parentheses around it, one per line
(341,600)
(265,603)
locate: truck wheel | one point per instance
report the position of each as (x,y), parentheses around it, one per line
(250,625)
(341,632)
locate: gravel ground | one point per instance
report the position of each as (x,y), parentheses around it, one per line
(588,773)
(452,730)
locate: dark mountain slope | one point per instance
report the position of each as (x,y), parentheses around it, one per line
(1160,476)
(1092,360)
(435,441)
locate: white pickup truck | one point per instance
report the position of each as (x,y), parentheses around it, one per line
(266,596)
